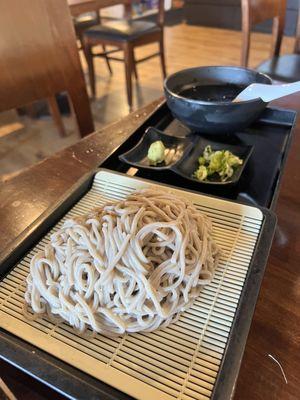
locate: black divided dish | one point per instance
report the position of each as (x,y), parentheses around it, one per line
(175,146)
(184,154)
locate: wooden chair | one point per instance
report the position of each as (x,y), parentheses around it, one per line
(125,35)
(85,21)
(39,58)
(284,68)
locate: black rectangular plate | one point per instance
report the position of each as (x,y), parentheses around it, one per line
(78,385)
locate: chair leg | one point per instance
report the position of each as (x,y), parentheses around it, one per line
(162,56)
(134,66)
(103,46)
(87,48)
(246,27)
(107,60)
(80,38)
(56,115)
(128,53)
(81,110)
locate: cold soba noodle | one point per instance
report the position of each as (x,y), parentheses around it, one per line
(128,266)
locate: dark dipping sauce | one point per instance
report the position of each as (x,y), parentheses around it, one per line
(213,93)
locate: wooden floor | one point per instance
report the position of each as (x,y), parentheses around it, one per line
(24,141)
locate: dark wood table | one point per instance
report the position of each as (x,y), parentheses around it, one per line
(275,327)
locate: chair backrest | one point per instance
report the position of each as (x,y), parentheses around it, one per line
(96,6)
(39,57)
(160,15)
(256,11)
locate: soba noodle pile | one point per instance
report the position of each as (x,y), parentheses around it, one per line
(129,266)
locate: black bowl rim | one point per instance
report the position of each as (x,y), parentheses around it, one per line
(213,103)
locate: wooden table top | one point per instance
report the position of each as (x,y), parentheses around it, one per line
(275,328)
(82,6)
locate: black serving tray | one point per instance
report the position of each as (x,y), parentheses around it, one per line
(75,384)
(270,137)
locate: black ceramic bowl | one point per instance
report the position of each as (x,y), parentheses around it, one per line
(214,116)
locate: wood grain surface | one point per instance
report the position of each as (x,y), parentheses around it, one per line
(275,327)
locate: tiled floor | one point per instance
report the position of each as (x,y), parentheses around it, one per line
(24,141)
